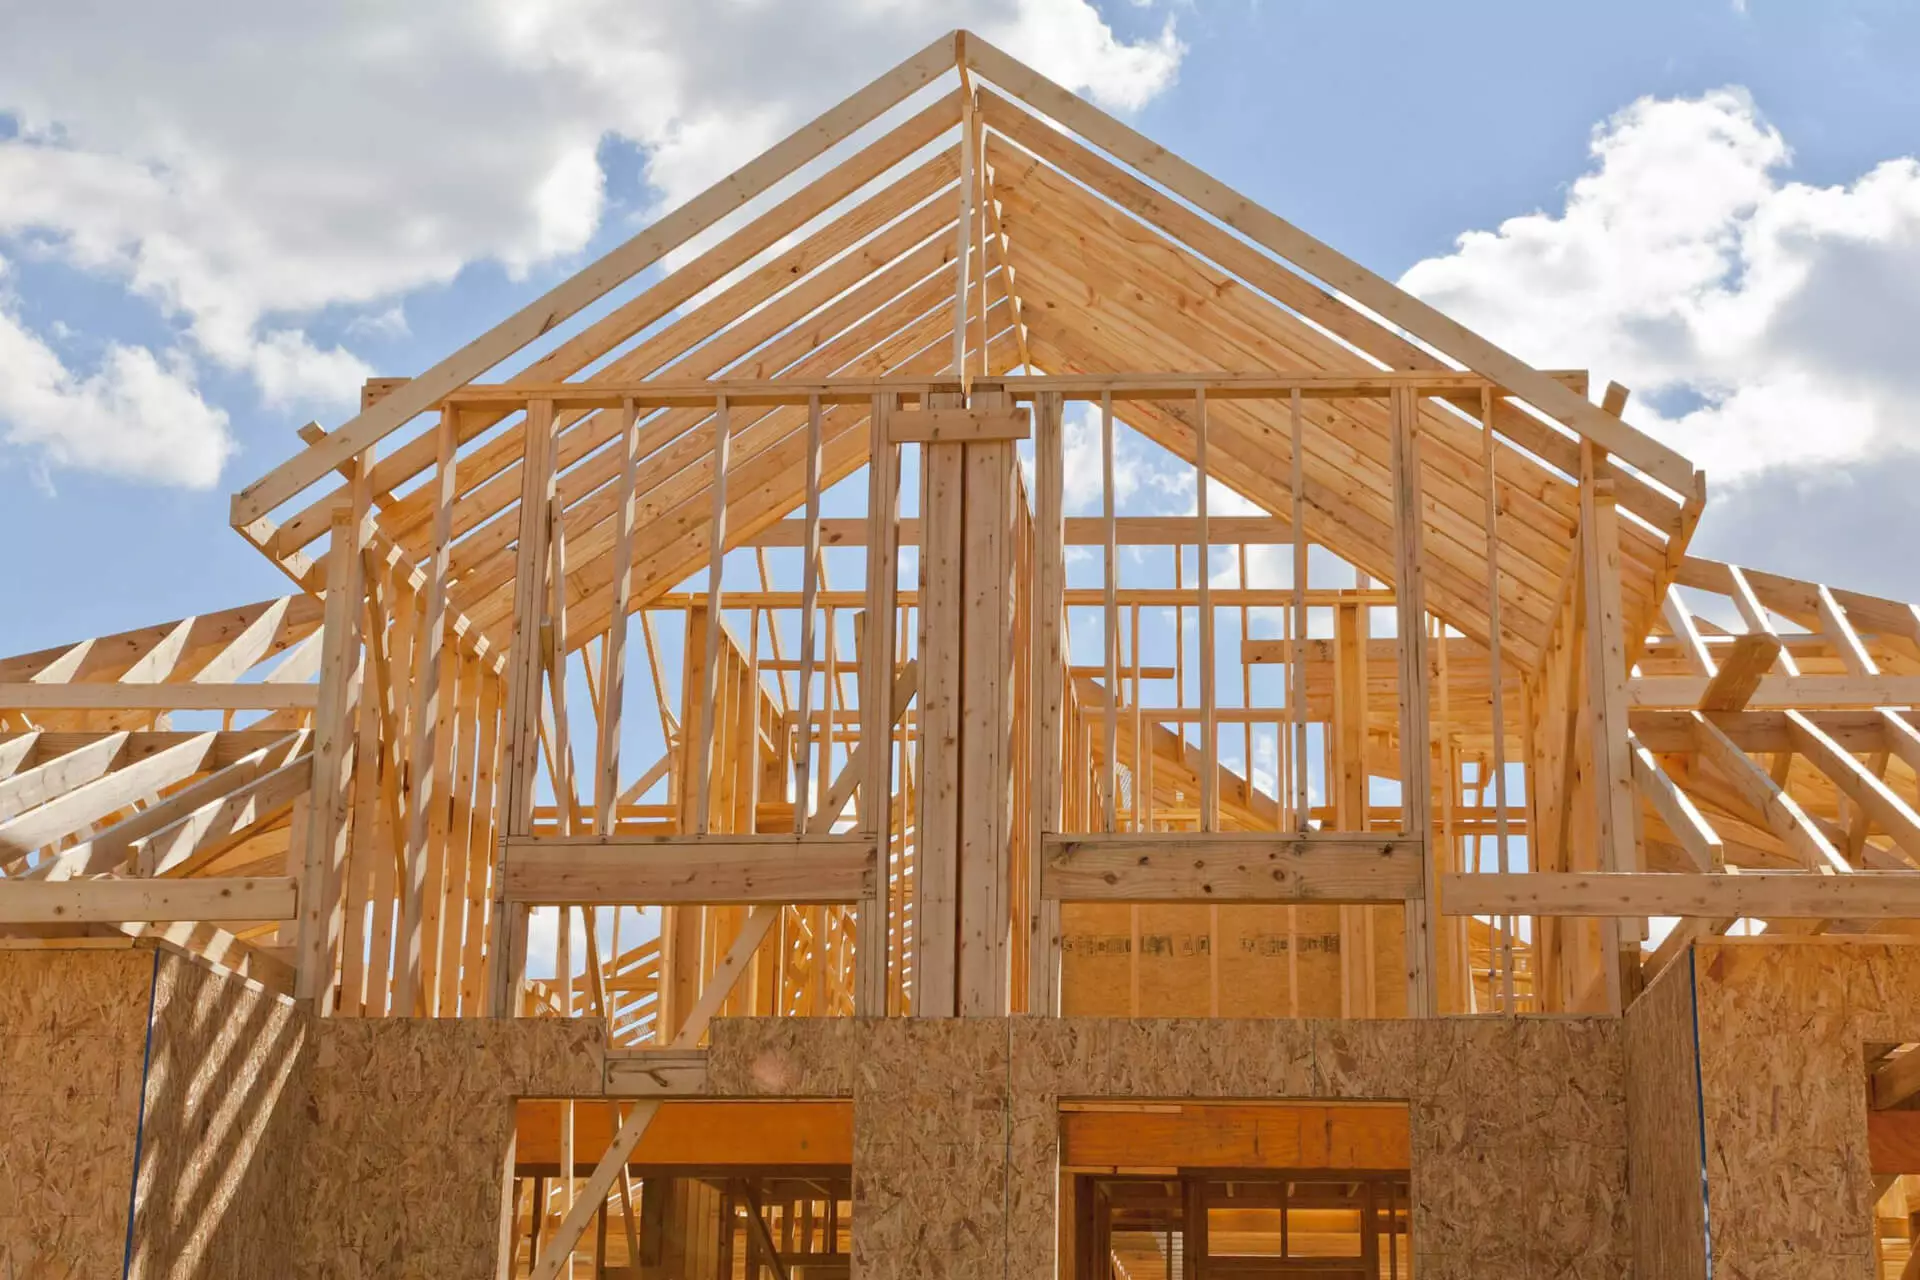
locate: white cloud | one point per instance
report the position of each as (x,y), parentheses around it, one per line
(1761,322)
(242,167)
(137,416)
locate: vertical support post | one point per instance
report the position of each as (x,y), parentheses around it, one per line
(710,672)
(963,249)
(876,709)
(1494,674)
(942,606)
(809,594)
(986,736)
(1049,696)
(1347,784)
(1110,616)
(322,903)
(1415,758)
(1614,808)
(1297,691)
(410,995)
(507,958)
(1209,726)
(613,664)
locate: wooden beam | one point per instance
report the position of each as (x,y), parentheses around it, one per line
(185,696)
(1772,895)
(1128,531)
(878,711)
(116,901)
(1421,951)
(707,1132)
(1315,867)
(958,426)
(651,870)
(585,287)
(1741,672)
(1858,783)
(1227,1135)
(613,668)
(1677,810)
(1782,691)
(1896,1080)
(1781,812)
(1444,384)
(68,813)
(216,825)
(1338,272)
(1046,706)
(336,725)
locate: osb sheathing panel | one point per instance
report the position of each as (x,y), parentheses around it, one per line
(1518,1126)
(414,1125)
(1261,966)
(1663,1130)
(222,1129)
(1782,1028)
(73,1027)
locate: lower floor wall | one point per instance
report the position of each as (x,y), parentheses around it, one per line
(149,1116)
(1518,1126)
(158,1118)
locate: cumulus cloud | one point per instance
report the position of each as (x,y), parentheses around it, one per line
(241,168)
(1762,322)
(138,415)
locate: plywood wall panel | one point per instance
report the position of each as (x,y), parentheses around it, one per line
(414,1127)
(1783,1024)
(1247,960)
(72,1040)
(1663,1129)
(223,1129)
(1518,1127)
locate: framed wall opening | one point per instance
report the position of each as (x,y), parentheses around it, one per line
(1260,1190)
(713,1191)
(1893,1155)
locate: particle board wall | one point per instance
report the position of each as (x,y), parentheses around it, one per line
(1664,1156)
(116,1052)
(222,1129)
(1159,960)
(413,1133)
(1518,1125)
(1783,1024)
(73,1029)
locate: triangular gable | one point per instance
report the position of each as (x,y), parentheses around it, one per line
(1131,260)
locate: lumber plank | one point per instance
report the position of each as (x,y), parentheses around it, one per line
(184,696)
(1314,867)
(614,870)
(958,426)
(1336,270)
(114,901)
(582,289)
(1782,895)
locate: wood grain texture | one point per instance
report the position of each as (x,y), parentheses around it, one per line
(1783,1025)
(1518,1127)
(1663,1129)
(72,1030)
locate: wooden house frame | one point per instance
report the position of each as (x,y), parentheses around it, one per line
(1524,722)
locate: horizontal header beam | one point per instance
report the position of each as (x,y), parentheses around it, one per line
(1231,868)
(159,697)
(123,901)
(1782,895)
(713,870)
(1130,386)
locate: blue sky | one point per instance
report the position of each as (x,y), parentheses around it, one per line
(248,235)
